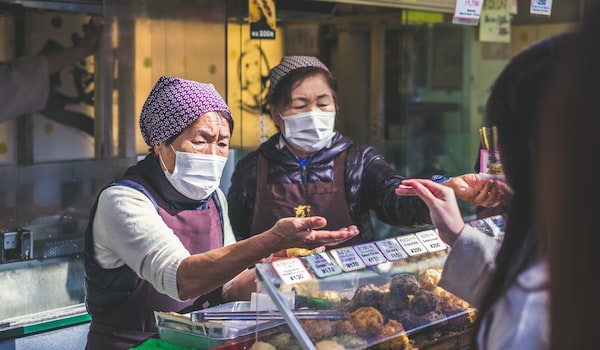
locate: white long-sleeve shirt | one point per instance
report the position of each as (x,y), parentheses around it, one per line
(128,230)
(520,319)
(24,86)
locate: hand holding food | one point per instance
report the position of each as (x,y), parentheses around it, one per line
(305,233)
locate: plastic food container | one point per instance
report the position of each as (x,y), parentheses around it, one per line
(182,330)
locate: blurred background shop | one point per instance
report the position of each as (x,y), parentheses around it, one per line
(411,82)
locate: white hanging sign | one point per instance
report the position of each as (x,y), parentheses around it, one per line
(467,12)
(541,7)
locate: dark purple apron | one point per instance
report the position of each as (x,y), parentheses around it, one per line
(326,199)
(132,321)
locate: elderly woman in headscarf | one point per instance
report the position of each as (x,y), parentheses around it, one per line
(158,238)
(309,168)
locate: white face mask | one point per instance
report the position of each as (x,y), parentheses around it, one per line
(196,175)
(310,131)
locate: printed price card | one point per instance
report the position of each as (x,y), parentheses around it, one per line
(323,265)
(291,271)
(391,249)
(370,254)
(431,240)
(411,244)
(348,259)
(541,7)
(467,12)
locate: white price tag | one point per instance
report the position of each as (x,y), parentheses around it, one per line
(411,244)
(323,265)
(348,259)
(391,249)
(541,7)
(467,12)
(431,240)
(370,254)
(291,271)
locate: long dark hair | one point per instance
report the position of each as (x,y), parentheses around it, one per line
(568,194)
(514,108)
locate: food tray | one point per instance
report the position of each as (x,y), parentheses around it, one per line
(182,330)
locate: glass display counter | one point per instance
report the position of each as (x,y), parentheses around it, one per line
(377,295)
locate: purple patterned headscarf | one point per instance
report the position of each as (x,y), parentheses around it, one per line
(288,64)
(174,104)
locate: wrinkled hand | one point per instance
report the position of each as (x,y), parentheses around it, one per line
(304,233)
(441,201)
(480,191)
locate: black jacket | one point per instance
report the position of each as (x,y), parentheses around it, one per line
(369,182)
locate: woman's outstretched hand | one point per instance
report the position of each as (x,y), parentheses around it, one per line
(441,201)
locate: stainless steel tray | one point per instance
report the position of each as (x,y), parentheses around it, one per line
(182,329)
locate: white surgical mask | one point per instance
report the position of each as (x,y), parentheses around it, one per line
(196,175)
(310,131)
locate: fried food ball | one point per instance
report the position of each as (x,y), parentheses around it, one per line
(351,342)
(319,329)
(423,301)
(431,317)
(392,337)
(309,288)
(450,302)
(403,285)
(344,327)
(451,305)
(391,303)
(329,345)
(367,295)
(285,341)
(429,278)
(407,318)
(367,321)
(261,345)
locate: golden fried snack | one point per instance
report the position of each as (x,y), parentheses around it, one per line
(296,252)
(344,327)
(367,321)
(319,329)
(429,278)
(329,345)
(392,337)
(261,345)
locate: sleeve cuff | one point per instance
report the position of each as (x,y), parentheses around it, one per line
(170,280)
(439,178)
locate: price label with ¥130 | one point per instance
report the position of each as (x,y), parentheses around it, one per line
(291,271)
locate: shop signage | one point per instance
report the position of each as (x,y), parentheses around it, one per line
(467,12)
(262,19)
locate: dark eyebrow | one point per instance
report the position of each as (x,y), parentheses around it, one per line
(325,95)
(302,99)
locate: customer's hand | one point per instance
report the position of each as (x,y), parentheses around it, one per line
(441,201)
(305,233)
(480,191)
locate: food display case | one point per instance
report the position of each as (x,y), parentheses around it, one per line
(376,295)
